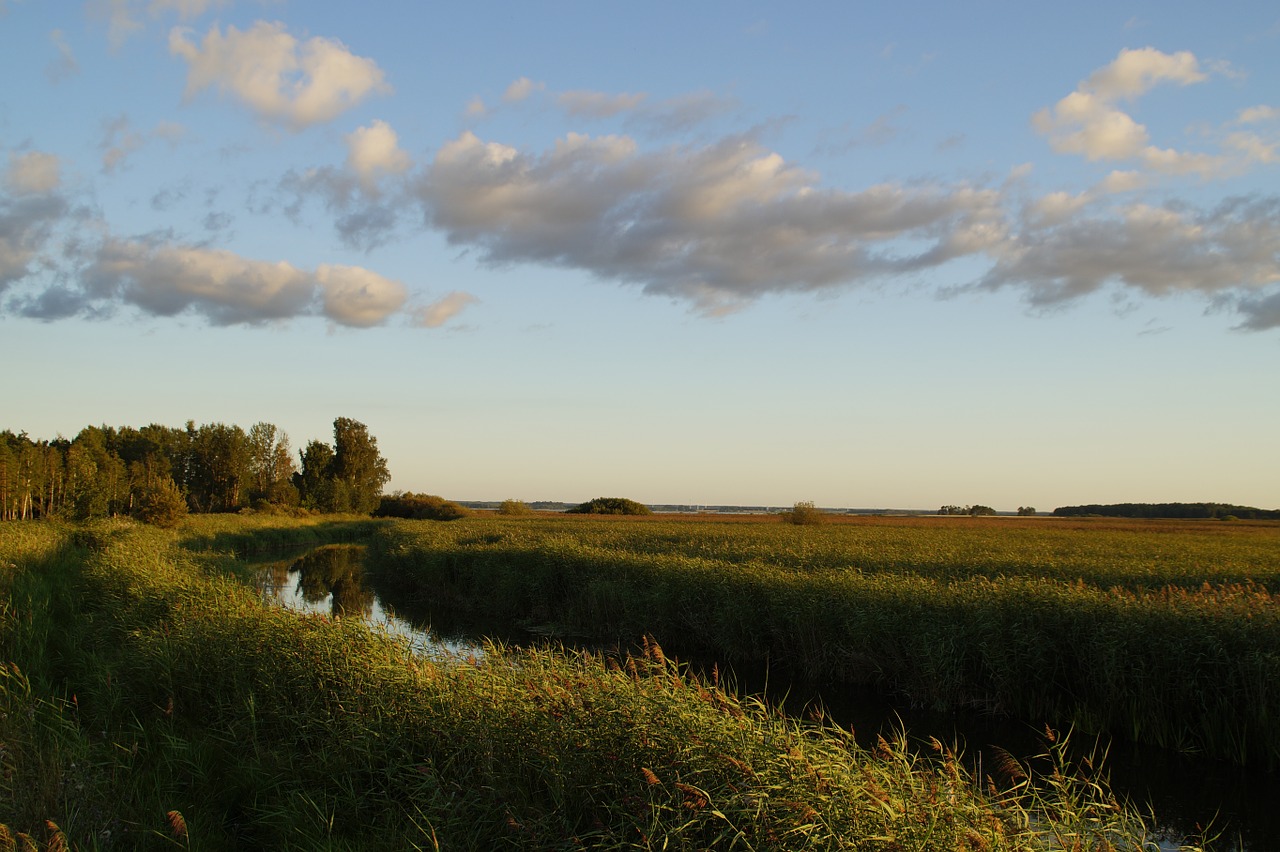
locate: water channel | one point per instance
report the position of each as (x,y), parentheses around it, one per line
(1183,792)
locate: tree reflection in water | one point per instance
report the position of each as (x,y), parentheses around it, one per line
(337,570)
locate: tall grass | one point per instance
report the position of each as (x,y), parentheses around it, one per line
(1166,637)
(201,719)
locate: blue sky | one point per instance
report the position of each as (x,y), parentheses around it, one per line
(996,253)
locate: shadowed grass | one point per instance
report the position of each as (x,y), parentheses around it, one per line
(217,723)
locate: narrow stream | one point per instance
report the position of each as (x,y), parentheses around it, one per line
(1185,793)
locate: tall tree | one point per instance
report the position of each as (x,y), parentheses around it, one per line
(358,468)
(270,465)
(315,479)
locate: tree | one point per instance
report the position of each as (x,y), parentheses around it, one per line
(271,466)
(359,471)
(314,481)
(1026,510)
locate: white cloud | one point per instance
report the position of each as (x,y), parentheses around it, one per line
(521,89)
(34,172)
(373,152)
(358,297)
(1088,122)
(442,310)
(1133,72)
(1232,249)
(718,225)
(227,289)
(282,80)
(1122,181)
(1257,114)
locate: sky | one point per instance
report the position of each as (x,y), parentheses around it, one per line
(869,255)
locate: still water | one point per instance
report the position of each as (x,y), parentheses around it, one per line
(1185,793)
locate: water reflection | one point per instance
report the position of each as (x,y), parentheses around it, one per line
(331,580)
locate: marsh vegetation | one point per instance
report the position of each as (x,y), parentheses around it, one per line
(150,699)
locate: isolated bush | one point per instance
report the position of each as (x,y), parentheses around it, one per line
(514,507)
(419,507)
(804,513)
(610,506)
(162,503)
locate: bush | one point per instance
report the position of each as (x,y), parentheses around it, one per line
(610,506)
(419,507)
(514,507)
(162,503)
(804,513)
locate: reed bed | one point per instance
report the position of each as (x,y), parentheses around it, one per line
(182,713)
(1168,635)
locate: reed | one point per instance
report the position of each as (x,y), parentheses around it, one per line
(1165,635)
(202,719)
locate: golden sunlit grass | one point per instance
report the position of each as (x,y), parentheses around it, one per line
(180,711)
(1166,633)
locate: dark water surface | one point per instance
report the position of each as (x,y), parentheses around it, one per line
(1186,793)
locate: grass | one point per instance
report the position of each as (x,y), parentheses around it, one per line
(178,712)
(1166,634)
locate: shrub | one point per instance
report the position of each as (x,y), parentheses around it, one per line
(162,503)
(419,507)
(514,507)
(804,513)
(610,506)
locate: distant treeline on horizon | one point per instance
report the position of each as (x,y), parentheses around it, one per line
(1168,510)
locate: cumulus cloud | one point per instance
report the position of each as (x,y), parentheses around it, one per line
(284,81)
(373,152)
(33,173)
(442,310)
(1088,122)
(165,279)
(718,225)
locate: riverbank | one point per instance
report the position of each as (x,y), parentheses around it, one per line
(151,700)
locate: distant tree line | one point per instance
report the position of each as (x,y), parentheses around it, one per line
(159,471)
(1168,510)
(975,509)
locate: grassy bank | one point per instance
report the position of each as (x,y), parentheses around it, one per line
(1163,633)
(151,701)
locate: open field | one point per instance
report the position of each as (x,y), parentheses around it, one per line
(1163,632)
(149,700)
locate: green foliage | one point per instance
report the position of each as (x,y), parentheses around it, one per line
(514,507)
(203,718)
(347,477)
(804,513)
(419,507)
(610,506)
(162,503)
(1026,511)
